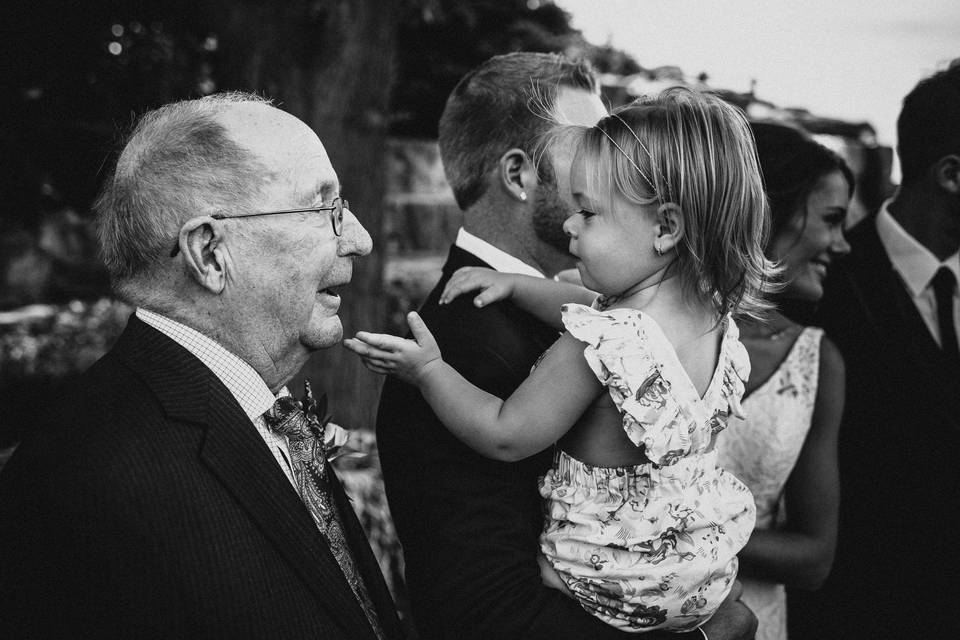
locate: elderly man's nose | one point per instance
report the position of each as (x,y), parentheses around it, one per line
(355,240)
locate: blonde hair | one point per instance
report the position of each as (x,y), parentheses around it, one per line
(696,151)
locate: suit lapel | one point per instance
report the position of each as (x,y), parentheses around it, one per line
(236,455)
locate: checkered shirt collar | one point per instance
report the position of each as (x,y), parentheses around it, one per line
(240,379)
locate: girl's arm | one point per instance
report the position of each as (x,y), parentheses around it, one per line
(538,413)
(801,554)
(541,297)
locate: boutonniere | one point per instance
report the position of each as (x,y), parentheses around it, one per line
(331,437)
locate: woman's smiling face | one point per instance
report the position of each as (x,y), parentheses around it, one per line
(813,238)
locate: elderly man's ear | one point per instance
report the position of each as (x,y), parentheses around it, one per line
(204,253)
(518,175)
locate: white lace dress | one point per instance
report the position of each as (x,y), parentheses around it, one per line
(762,451)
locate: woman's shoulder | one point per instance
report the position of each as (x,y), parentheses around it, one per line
(832,367)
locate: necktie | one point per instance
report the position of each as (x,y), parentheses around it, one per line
(944,284)
(308,461)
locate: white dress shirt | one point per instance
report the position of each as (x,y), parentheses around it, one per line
(916,266)
(497,258)
(240,379)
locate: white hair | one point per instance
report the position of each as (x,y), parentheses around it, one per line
(178,162)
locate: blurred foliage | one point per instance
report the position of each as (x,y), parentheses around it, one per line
(84,70)
(441,40)
(60,340)
(362,479)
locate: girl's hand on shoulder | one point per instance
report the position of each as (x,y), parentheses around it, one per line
(493,285)
(409,360)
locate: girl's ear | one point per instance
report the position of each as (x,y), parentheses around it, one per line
(517,174)
(670,227)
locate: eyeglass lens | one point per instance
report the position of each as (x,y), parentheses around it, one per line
(336,215)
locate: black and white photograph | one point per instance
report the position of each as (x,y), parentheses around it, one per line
(480,319)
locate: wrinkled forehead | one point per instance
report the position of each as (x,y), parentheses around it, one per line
(290,150)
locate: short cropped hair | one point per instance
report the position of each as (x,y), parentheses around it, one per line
(694,150)
(792,164)
(498,106)
(929,125)
(179,162)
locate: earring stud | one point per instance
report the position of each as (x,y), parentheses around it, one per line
(523,196)
(658,248)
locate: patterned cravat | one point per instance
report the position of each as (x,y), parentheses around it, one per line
(944,285)
(307,459)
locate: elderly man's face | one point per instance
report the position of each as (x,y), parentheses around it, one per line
(290,269)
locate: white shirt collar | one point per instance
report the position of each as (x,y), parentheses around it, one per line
(497,258)
(913,261)
(240,379)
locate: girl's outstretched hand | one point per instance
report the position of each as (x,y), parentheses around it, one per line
(408,360)
(493,285)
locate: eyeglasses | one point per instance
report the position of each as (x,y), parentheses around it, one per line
(336,216)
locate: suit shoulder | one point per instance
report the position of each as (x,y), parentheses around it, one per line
(83,426)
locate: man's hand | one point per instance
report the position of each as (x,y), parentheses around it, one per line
(408,360)
(733,620)
(493,285)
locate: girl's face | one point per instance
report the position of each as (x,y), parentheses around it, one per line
(813,238)
(612,239)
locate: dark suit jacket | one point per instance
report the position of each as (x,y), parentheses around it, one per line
(897,568)
(146,505)
(470,525)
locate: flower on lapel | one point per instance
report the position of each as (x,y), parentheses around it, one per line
(332,437)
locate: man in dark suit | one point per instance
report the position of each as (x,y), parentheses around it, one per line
(892,309)
(470,525)
(164,496)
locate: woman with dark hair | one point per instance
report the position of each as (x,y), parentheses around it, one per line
(786,449)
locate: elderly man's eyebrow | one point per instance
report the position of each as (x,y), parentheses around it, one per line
(318,193)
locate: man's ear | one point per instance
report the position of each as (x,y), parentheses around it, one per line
(205,257)
(670,227)
(517,174)
(947,173)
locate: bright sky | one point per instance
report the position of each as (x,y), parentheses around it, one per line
(850,59)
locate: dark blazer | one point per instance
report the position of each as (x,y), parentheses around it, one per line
(146,505)
(470,525)
(897,566)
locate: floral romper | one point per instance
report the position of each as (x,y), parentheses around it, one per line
(652,546)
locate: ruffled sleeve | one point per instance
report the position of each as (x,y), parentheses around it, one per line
(622,355)
(736,372)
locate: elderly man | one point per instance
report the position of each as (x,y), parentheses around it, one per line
(470,525)
(171,493)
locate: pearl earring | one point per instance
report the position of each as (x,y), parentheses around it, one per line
(523,196)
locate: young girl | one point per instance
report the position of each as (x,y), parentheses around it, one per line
(642,527)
